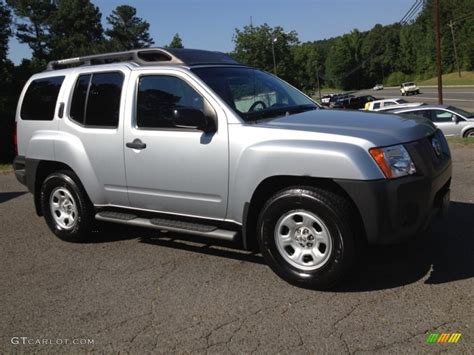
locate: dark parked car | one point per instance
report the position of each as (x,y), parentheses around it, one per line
(353,102)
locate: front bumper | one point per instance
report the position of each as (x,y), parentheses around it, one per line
(399,209)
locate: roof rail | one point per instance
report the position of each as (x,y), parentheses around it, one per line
(147,56)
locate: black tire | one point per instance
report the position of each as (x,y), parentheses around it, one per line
(84,219)
(468,133)
(334,210)
(418,92)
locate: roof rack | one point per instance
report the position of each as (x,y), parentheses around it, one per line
(148,56)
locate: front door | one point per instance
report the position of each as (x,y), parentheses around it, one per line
(175,170)
(444,121)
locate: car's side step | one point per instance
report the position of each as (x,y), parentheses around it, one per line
(171,225)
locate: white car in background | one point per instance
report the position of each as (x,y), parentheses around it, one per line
(378,87)
(387,104)
(409,88)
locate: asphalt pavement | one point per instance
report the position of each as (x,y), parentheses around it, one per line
(462,97)
(141,291)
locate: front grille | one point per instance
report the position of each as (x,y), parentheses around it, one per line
(425,155)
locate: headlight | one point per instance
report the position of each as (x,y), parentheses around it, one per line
(394,161)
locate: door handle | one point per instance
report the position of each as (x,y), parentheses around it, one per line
(136,144)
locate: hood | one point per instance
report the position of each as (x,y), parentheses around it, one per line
(381,129)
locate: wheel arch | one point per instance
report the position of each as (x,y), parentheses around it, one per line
(272,185)
(467,130)
(43,169)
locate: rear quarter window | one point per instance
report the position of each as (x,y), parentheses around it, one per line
(40,99)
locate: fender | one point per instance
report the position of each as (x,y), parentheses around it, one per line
(67,149)
(301,158)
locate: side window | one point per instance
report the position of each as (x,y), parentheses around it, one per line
(376,105)
(159,95)
(439,116)
(420,113)
(40,99)
(96,99)
(78,104)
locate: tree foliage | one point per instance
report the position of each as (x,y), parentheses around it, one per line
(33,26)
(128,31)
(5,31)
(176,42)
(361,59)
(253,46)
(75,29)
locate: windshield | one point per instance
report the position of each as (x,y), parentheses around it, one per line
(461,112)
(254,94)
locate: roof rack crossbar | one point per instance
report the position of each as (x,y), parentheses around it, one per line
(148,56)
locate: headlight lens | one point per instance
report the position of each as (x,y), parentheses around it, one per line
(394,161)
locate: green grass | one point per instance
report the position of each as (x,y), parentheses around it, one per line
(467,78)
(6,168)
(461,141)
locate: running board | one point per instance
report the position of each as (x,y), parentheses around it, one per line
(168,225)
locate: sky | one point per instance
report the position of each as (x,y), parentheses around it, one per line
(210,24)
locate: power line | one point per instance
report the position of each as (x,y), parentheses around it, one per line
(464,17)
(411,12)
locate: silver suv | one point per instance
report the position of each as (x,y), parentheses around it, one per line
(193,142)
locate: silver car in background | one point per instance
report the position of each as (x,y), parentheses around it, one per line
(452,121)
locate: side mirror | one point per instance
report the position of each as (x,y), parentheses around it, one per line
(455,118)
(189,117)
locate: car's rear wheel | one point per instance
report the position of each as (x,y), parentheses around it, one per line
(66,207)
(306,237)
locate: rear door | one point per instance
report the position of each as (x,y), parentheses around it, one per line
(94,115)
(178,170)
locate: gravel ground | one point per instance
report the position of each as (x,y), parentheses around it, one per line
(143,291)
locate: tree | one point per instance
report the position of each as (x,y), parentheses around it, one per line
(253,46)
(127,30)
(34,28)
(309,61)
(5,30)
(176,42)
(339,64)
(76,29)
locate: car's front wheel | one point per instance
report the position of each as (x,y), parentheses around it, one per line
(306,237)
(469,133)
(66,207)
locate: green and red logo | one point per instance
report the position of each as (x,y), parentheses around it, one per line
(443,338)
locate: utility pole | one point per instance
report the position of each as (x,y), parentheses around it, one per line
(438,53)
(383,76)
(274,39)
(451,25)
